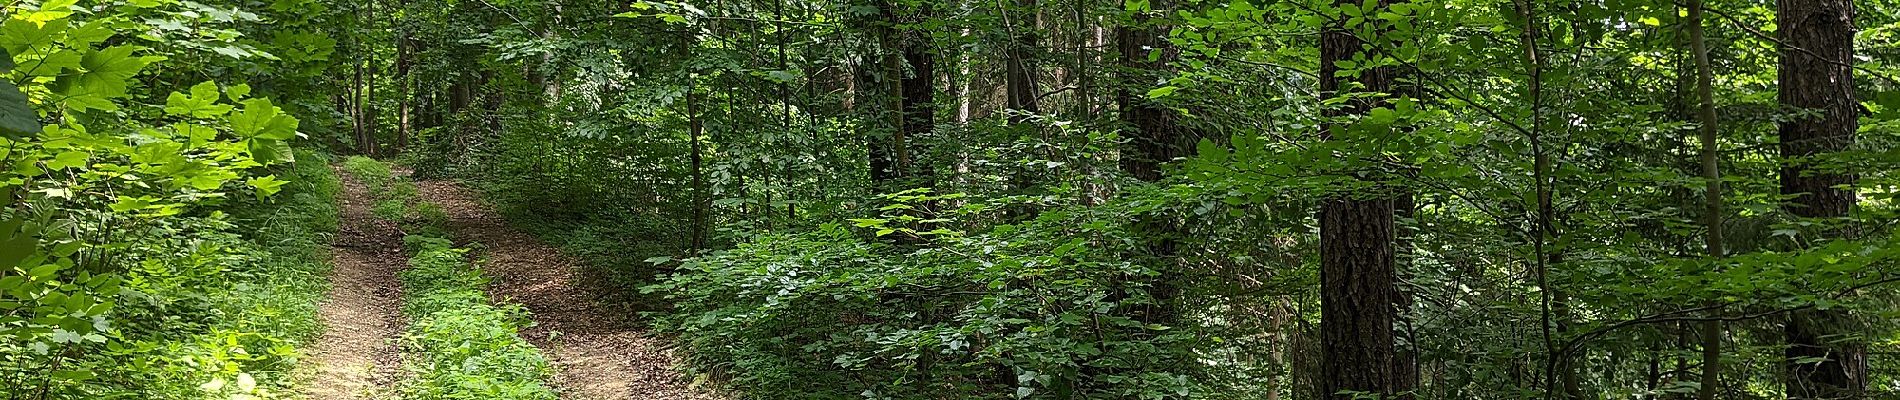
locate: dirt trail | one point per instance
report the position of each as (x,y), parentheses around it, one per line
(598,352)
(357,357)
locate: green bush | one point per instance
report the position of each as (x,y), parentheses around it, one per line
(216,304)
(377,175)
(1046,311)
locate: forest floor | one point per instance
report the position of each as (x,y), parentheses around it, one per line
(599,352)
(358,355)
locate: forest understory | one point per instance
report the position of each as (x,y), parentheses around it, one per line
(950,199)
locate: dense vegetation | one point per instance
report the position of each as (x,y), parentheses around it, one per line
(1193,199)
(161,238)
(1022,199)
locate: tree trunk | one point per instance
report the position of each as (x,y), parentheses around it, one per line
(1153,135)
(1711,331)
(696,128)
(1359,295)
(919,104)
(405,94)
(1816,78)
(1023,26)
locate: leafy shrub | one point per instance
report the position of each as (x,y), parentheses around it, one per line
(216,304)
(391,209)
(1044,311)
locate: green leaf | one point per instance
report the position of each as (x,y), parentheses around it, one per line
(128,204)
(17,118)
(266,185)
(238,91)
(267,151)
(1163,91)
(69,159)
(261,120)
(201,103)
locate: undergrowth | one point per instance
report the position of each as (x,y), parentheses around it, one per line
(462,346)
(216,304)
(397,199)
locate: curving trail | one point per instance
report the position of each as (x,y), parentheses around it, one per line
(598,352)
(358,356)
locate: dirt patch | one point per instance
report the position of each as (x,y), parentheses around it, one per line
(358,357)
(599,352)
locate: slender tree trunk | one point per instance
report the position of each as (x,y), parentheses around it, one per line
(405,94)
(697,128)
(1817,38)
(1711,331)
(1358,290)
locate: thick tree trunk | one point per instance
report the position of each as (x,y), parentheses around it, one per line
(1154,137)
(919,104)
(1359,295)
(1818,39)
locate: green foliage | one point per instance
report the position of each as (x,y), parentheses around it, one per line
(376,175)
(206,305)
(1044,310)
(464,348)
(155,251)
(1025,253)
(397,198)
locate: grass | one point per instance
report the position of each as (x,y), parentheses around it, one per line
(461,346)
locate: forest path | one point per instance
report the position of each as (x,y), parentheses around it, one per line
(358,355)
(598,351)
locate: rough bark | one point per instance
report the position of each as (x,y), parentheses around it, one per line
(1359,295)
(1818,41)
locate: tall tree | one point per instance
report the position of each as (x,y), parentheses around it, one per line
(1154,135)
(1022,23)
(1358,280)
(1710,153)
(919,91)
(1817,48)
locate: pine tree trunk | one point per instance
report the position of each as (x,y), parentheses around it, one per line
(1359,295)
(1818,39)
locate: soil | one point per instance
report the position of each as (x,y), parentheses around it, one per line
(599,351)
(358,356)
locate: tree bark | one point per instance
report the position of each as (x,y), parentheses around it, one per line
(696,128)
(1817,39)
(1359,295)
(1024,26)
